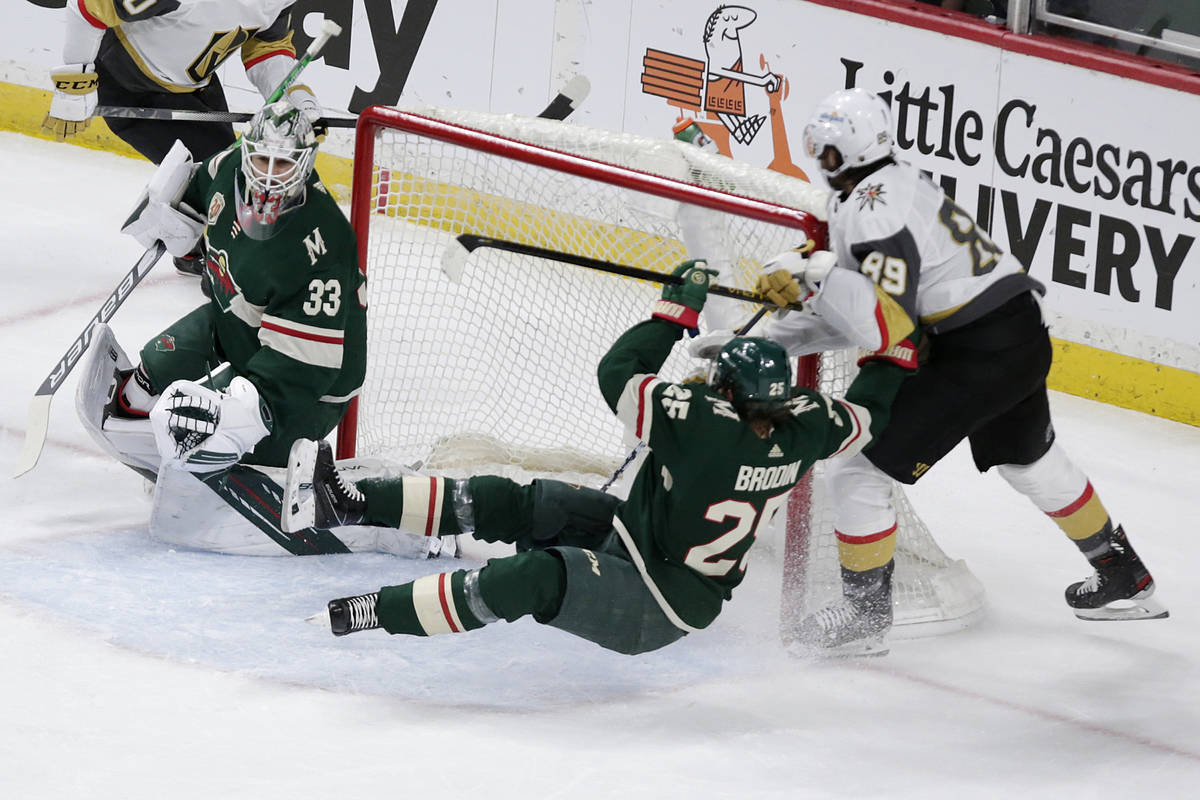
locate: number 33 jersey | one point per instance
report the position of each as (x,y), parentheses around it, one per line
(289,311)
(921,249)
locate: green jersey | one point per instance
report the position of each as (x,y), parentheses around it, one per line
(290,311)
(710,484)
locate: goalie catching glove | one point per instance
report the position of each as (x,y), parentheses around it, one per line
(198,429)
(681,302)
(159,214)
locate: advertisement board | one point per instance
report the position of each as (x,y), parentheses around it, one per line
(1090,178)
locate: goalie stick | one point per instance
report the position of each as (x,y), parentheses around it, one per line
(561,107)
(39,408)
(453,258)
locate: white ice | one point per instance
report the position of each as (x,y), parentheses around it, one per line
(128,670)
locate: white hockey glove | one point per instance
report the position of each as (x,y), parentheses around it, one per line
(200,430)
(159,215)
(303,99)
(74,100)
(266,76)
(809,270)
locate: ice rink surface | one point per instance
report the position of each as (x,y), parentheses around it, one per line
(131,670)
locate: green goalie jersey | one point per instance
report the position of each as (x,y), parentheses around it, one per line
(709,485)
(289,312)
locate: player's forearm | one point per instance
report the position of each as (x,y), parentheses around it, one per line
(875,389)
(867,316)
(640,350)
(82,36)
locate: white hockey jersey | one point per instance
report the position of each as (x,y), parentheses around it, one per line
(927,262)
(175,45)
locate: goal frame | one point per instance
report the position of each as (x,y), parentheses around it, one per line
(361,207)
(941,593)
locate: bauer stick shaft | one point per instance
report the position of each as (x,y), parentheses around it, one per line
(39,407)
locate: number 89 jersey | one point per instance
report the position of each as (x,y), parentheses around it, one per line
(919,247)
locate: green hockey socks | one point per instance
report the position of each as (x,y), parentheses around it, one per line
(453,602)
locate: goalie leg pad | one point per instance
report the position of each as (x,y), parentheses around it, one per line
(237,512)
(130,441)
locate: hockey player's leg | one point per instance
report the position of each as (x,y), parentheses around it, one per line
(454,602)
(591,594)
(865,524)
(542,514)
(1121,586)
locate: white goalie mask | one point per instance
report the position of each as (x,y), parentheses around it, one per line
(278,149)
(856,123)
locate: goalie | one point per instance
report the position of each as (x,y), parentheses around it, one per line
(905,256)
(275,354)
(633,575)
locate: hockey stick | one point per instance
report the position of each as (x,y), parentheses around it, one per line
(39,407)
(135,112)
(452,262)
(565,102)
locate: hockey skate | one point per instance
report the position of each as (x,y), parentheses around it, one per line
(843,629)
(349,614)
(854,625)
(1119,589)
(316,496)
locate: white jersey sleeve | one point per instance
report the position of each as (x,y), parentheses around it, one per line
(922,251)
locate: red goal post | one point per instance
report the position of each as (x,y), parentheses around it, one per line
(504,353)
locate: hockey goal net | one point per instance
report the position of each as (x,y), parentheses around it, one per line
(485,361)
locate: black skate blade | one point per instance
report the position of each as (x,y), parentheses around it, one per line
(1124,611)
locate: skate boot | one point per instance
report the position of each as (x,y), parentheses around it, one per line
(854,625)
(316,495)
(351,614)
(1119,589)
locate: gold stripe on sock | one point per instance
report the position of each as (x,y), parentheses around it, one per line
(860,553)
(1083,518)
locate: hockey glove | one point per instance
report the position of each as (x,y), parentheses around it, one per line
(200,430)
(159,214)
(74,100)
(681,303)
(903,353)
(303,99)
(806,268)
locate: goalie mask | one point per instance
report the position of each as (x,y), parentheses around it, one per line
(854,122)
(277,150)
(758,374)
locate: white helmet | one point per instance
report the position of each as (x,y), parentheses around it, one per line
(278,149)
(856,123)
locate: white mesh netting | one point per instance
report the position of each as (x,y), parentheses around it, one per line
(486,361)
